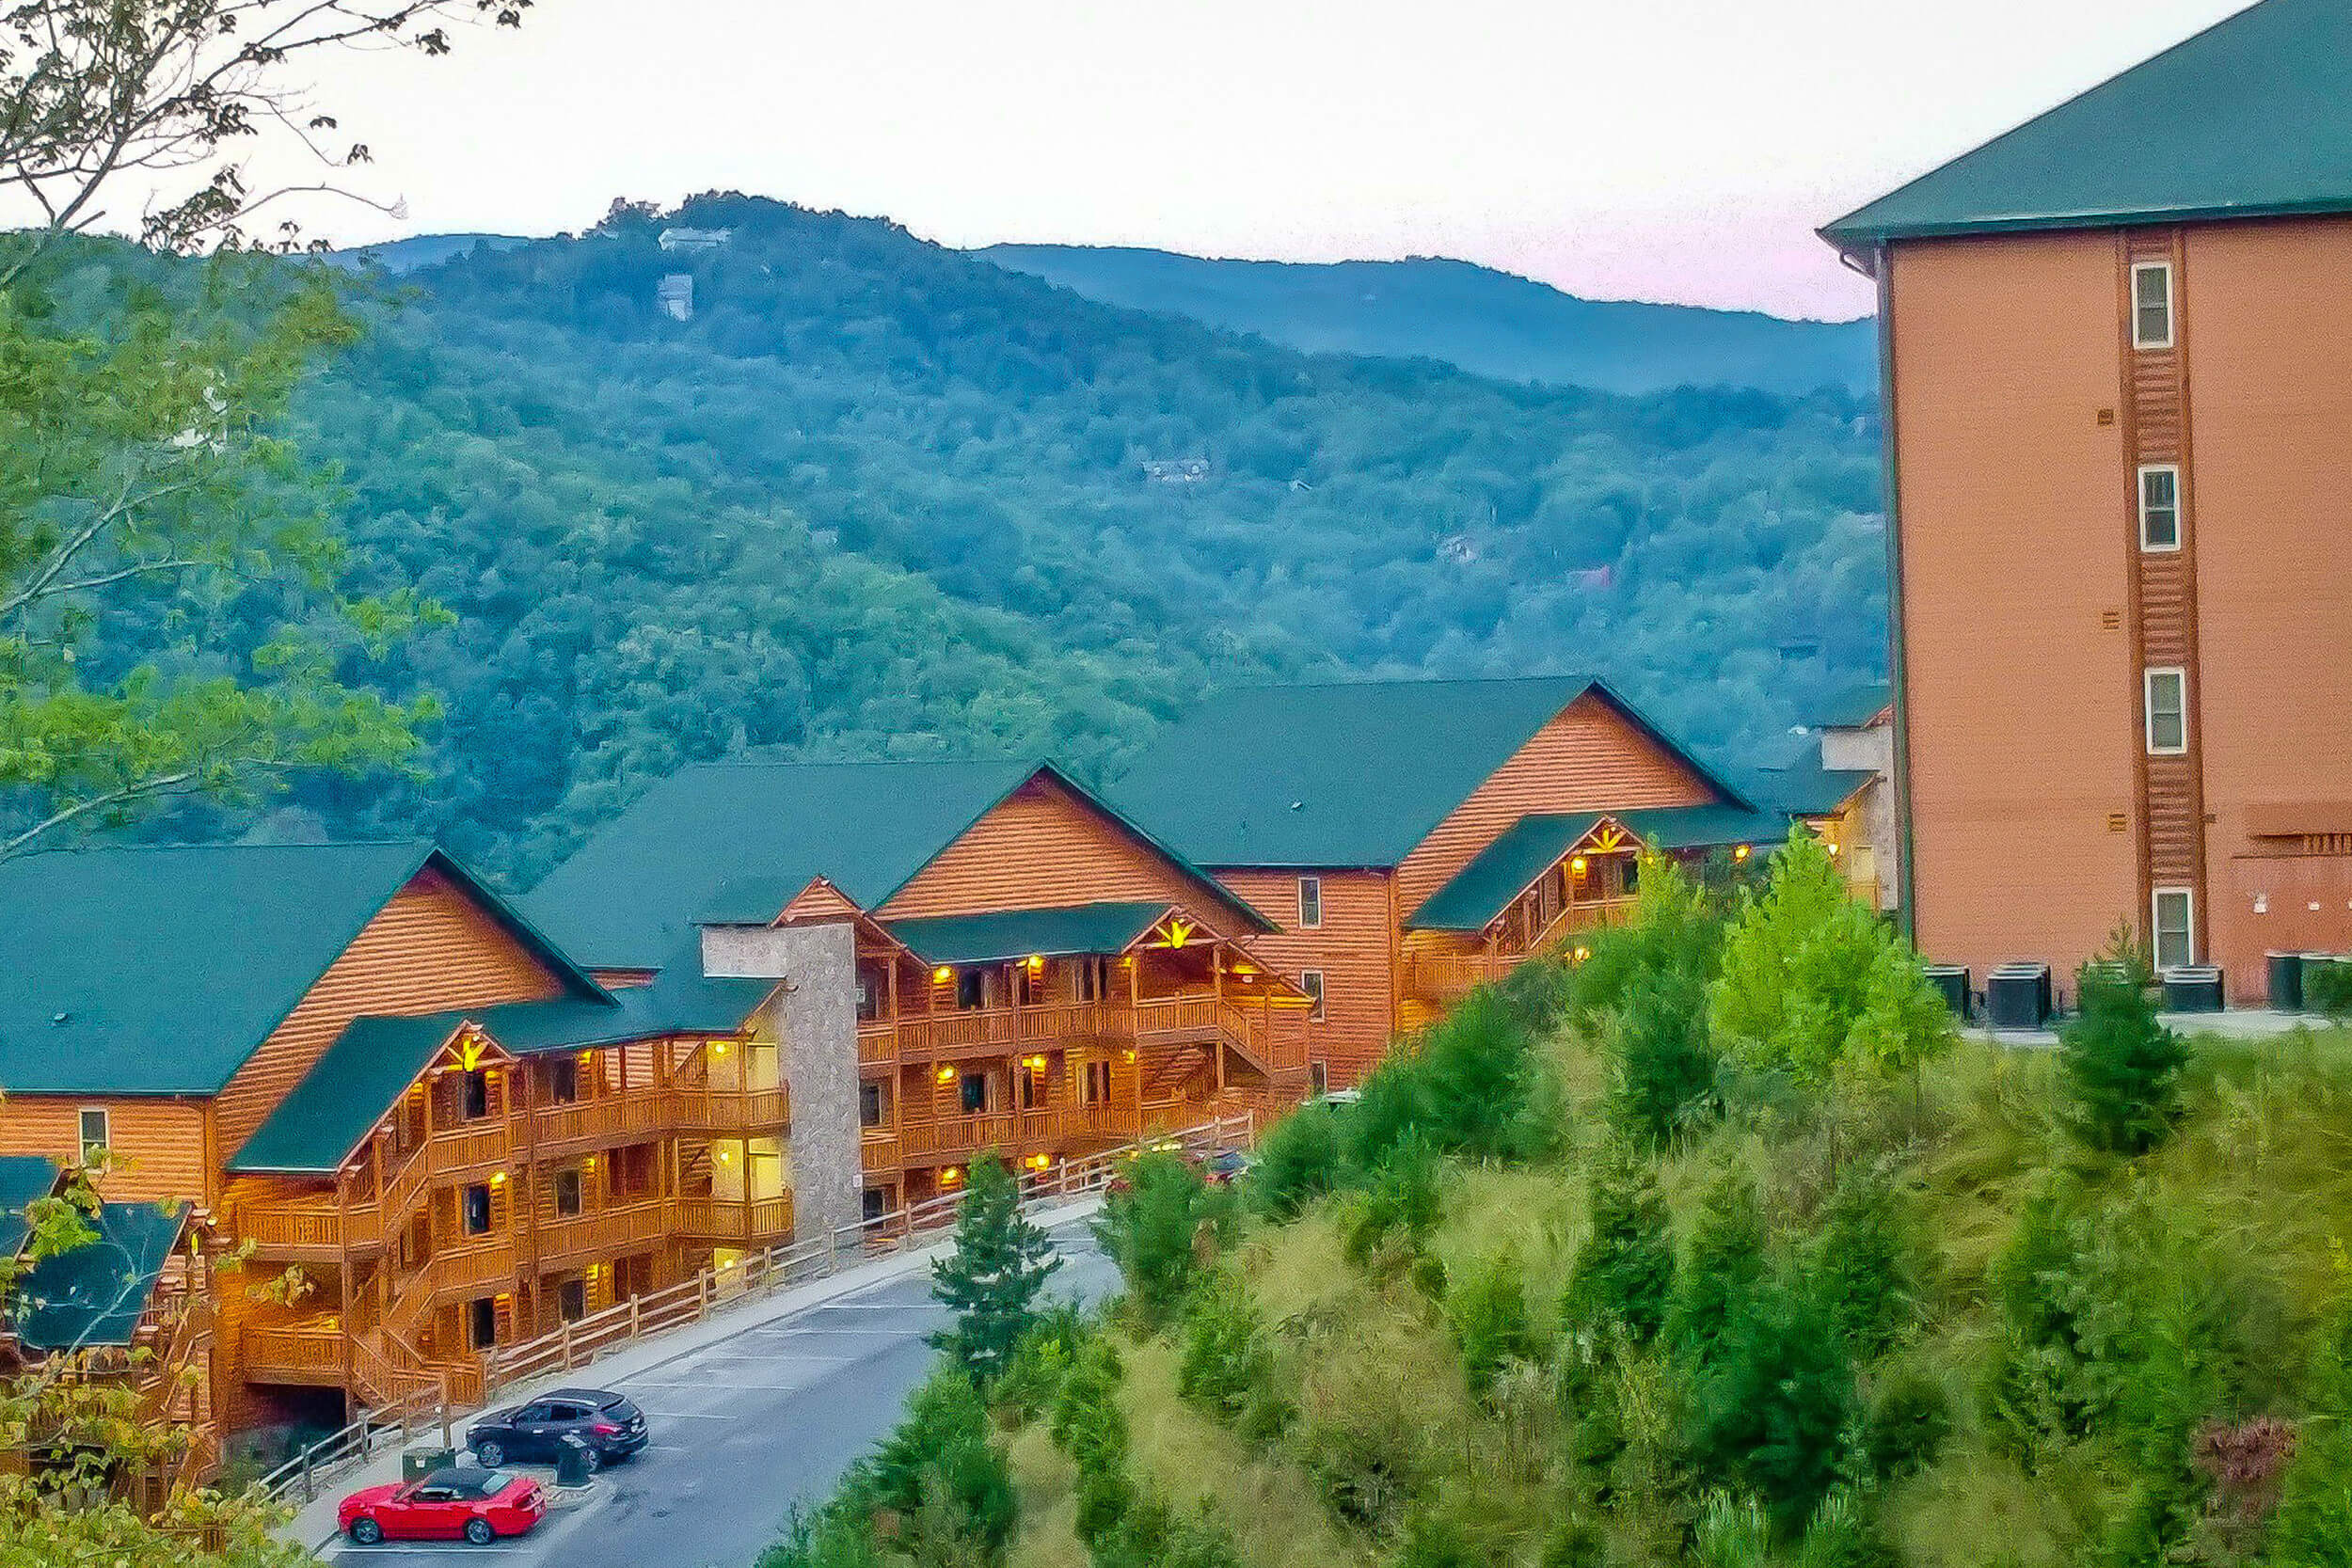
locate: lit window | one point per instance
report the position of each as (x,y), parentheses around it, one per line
(96,1136)
(2168,712)
(1311,983)
(2176,936)
(2160,507)
(2151,305)
(1310,903)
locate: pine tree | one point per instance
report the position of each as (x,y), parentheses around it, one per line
(2124,1066)
(1624,1271)
(991,1279)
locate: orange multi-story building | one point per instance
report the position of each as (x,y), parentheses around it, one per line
(1025,970)
(1408,840)
(2119,403)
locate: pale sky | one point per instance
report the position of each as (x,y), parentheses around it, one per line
(1679,150)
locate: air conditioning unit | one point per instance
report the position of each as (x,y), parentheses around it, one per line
(2017,996)
(2192,989)
(2286,981)
(1951,981)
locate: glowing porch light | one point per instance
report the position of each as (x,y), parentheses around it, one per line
(1577,865)
(1739,853)
(951,1176)
(947,1075)
(941,976)
(1037,961)
(1582,954)
(498,1178)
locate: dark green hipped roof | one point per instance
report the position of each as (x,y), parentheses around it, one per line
(1482,889)
(1798,784)
(351,1086)
(2252,117)
(1000,938)
(158,971)
(1351,774)
(96,1295)
(733,842)
(1854,707)
(24,1178)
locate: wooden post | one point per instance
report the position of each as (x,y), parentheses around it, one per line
(565,1340)
(635,1316)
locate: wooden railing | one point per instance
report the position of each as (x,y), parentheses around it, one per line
(741,1221)
(735,1110)
(608,1118)
(1013,1131)
(1444,977)
(601,1233)
(293,1353)
(928,1035)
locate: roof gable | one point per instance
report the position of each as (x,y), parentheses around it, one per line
(159,971)
(2250,118)
(96,1295)
(1356,774)
(1004,936)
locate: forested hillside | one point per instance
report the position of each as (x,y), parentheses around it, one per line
(878,497)
(1472,317)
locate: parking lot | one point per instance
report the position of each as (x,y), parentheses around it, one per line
(743,1430)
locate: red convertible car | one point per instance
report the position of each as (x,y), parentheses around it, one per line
(448,1505)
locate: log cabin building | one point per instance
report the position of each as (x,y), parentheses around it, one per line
(1031,971)
(2117,354)
(1408,840)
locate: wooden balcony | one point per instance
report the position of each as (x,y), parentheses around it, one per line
(604,1122)
(309,1354)
(734,1111)
(1441,978)
(735,1222)
(1010,1133)
(1272,1034)
(576,1239)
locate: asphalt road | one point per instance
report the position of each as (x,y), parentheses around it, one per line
(743,1430)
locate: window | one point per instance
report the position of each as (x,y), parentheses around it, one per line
(482,1322)
(564,1080)
(869,1103)
(96,1136)
(1310,903)
(869,996)
(2168,712)
(2151,305)
(477,1095)
(571,1300)
(2176,936)
(2160,507)
(974,1093)
(1311,983)
(567,1192)
(1098,1083)
(874,1203)
(971,989)
(475,1209)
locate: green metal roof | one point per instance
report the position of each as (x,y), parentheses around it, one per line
(2252,117)
(158,971)
(1705,826)
(24,1178)
(1000,938)
(361,1075)
(1798,784)
(733,842)
(1350,774)
(1484,889)
(96,1293)
(1854,707)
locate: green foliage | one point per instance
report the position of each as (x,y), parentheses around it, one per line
(1624,1272)
(1772,1405)
(2312,1527)
(1733,1532)
(1721,1269)
(1226,1360)
(991,1279)
(1492,1324)
(173,619)
(1301,1157)
(2123,1066)
(1033,1378)
(832,1537)
(1163,1231)
(938,1472)
(1860,1264)
(1399,1198)
(1844,1532)
(1908,1419)
(1472,1083)
(1813,984)
(2328,990)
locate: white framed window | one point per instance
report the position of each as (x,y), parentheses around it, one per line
(2167,694)
(2151,305)
(1311,981)
(2160,507)
(97,1132)
(1310,903)
(2174,910)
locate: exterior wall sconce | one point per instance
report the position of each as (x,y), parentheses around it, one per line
(1577,865)
(941,976)
(1739,853)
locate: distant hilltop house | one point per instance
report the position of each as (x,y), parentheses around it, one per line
(1176,470)
(2120,388)
(696,239)
(674,296)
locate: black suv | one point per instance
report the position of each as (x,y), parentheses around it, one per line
(610,1427)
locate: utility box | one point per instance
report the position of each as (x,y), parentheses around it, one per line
(417,1463)
(572,1466)
(2192,989)
(2017,996)
(1950,982)
(2286,981)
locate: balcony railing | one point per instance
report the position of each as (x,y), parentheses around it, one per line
(1012,1134)
(1268,1032)
(740,1220)
(625,1117)
(734,1110)
(603,1233)
(293,1353)
(1440,978)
